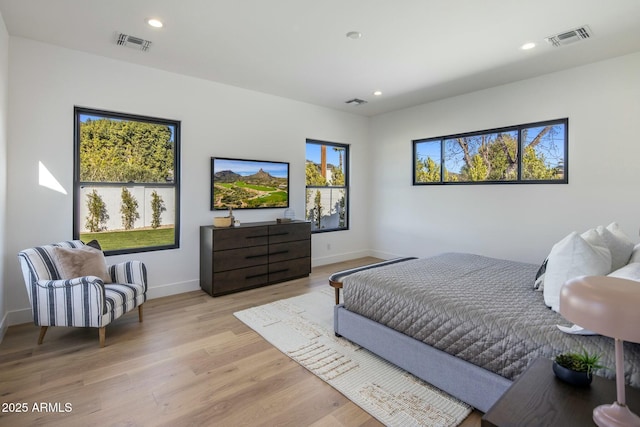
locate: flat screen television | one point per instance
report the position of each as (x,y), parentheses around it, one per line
(249,184)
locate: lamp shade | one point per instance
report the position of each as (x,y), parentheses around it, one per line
(609,306)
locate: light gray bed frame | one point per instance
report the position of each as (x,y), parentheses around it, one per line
(470,383)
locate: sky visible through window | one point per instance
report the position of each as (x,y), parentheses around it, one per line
(313,154)
(247,167)
(551,144)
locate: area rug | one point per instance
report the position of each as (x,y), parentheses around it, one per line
(302,328)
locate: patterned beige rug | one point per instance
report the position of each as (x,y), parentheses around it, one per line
(302,328)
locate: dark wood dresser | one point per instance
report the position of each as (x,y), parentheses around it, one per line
(253,255)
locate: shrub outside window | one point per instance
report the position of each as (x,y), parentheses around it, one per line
(327,186)
(126,181)
(530,153)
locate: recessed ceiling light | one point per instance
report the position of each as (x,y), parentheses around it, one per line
(354,35)
(155,23)
(528,46)
(377,93)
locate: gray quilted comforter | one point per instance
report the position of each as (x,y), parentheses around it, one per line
(480,309)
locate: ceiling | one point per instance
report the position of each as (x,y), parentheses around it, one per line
(413,51)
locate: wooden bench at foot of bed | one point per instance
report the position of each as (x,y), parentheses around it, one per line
(335,280)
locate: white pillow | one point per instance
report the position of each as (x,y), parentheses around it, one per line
(618,243)
(630,271)
(575,255)
(635,254)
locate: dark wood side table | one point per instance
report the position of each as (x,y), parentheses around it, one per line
(537,398)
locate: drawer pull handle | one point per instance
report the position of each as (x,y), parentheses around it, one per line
(279,271)
(253,276)
(256,237)
(280,234)
(279,252)
(254,256)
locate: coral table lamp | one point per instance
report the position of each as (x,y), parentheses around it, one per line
(611,307)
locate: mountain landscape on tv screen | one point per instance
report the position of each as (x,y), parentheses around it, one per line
(259,190)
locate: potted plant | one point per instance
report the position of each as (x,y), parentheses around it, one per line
(576,368)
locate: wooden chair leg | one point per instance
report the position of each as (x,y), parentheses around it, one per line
(43,330)
(101,331)
(140,313)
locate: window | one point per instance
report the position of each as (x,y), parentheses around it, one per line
(126,181)
(327,177)
(531,153)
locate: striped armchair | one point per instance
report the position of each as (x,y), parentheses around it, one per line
(82,301)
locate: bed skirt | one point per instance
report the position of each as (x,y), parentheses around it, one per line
(471,384)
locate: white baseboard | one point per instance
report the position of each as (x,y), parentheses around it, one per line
(173,289)
(3,327)
(24,315)
(17,317)
(387,255)
(316,262)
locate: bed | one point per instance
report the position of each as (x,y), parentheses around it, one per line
(468,324)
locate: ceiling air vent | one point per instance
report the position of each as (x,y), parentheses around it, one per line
(134,42)
(570,36)
(355,101)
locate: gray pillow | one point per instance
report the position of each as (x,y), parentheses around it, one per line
(538,284)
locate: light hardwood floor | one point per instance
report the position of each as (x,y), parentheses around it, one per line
(191,363)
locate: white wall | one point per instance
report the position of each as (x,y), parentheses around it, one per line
(217,120)
(4,85)
(521,222)
(389,216)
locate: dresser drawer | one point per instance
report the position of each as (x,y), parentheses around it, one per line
(279,271)
(232,238)
(240,258)
(289,232)
(236,280)
(289,250)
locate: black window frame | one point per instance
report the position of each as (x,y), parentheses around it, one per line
(518,129)
(346,187)
(77,184)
